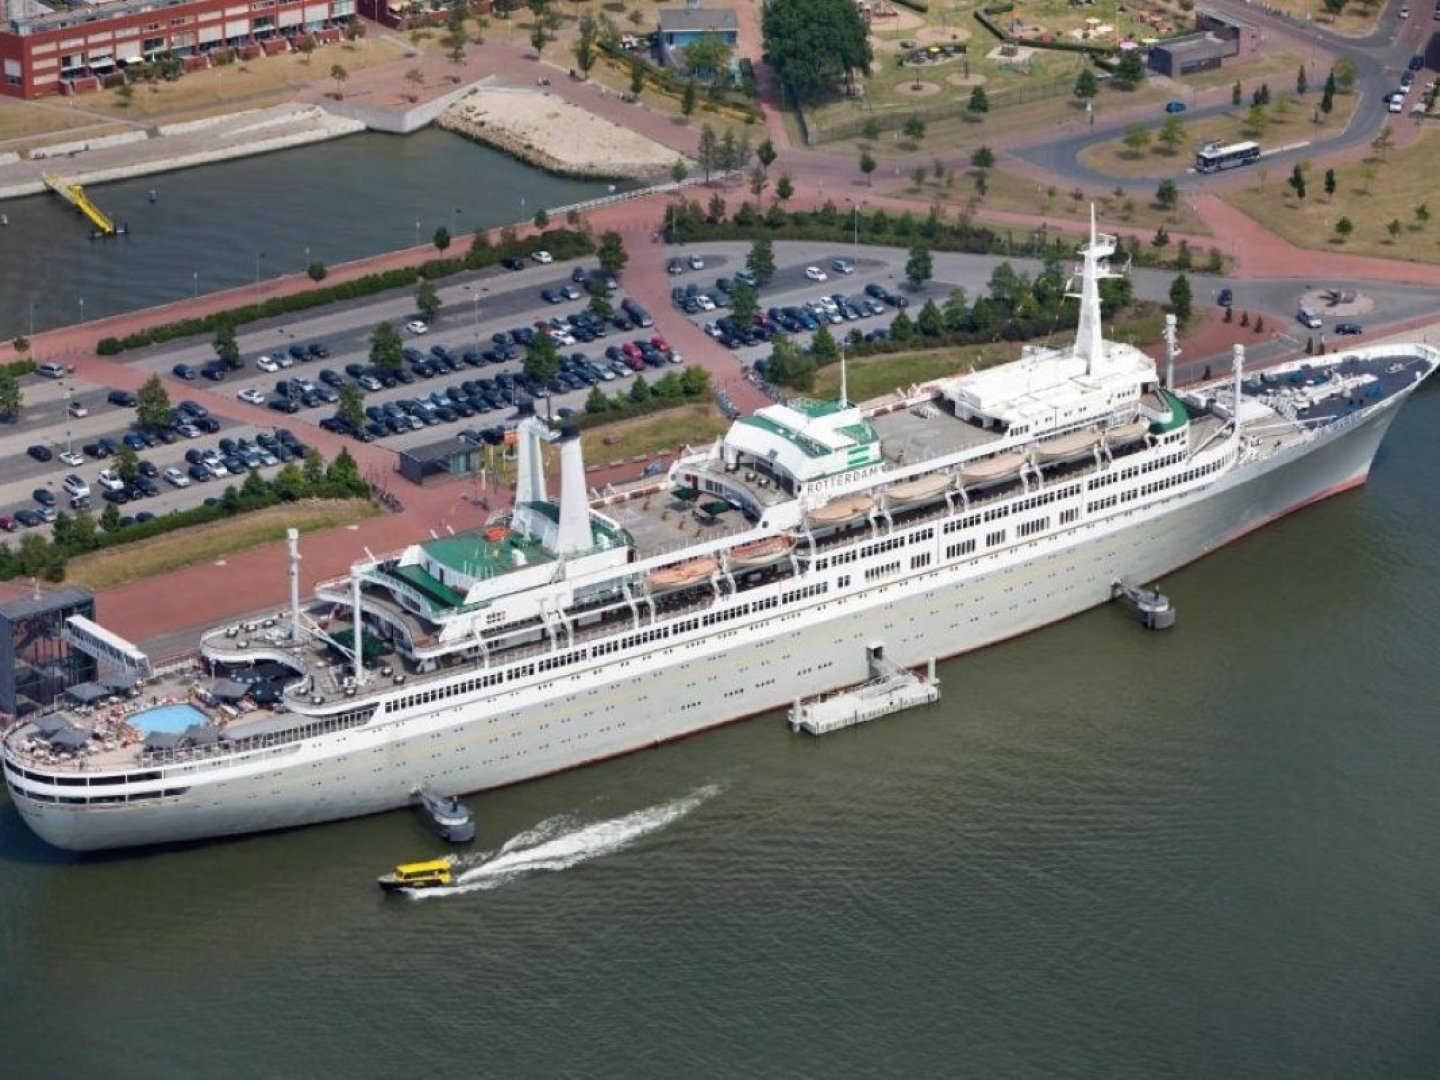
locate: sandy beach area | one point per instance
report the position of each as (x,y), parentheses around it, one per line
(550,132)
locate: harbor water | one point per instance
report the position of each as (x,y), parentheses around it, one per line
(225,225)
(1213,852)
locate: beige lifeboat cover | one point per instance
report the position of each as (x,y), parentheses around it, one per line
(1066,445)
(841,509)
(919,488)
(991,468)
(683,573)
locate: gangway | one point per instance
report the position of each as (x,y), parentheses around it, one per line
(75,195)
(891,688)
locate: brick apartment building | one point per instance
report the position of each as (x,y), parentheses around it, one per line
(47,48)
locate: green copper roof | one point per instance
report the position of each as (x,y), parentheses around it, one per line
(472,555)
(809,446)
(1178,416)
(816,409)
(427,585)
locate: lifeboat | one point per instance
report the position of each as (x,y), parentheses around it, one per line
(920,490)
(496,533)
(760,553)
(682,574)
(1127,433)
(1066,447)
(992,469)
(839,511)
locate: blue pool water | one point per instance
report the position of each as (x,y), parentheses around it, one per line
(174,718)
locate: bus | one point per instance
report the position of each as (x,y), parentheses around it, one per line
(1212,157)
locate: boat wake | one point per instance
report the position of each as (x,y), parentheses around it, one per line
(559,843)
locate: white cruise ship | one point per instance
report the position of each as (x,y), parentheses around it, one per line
(760,570)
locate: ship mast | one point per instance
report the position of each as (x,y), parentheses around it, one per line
(1089,342)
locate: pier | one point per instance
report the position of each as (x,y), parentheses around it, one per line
(891,689)
(74,194)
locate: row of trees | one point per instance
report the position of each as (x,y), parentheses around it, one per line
(812,44)
(82,532)
(643,396)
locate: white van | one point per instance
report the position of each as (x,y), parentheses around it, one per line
(1309,318)
(51,371)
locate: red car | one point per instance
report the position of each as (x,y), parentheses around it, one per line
(660,343)
(8,523)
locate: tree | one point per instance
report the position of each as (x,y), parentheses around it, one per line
(1329,183)
(707,153)
(542,218)
(766,153)
(1181,298)
(415,77)
(709,54)
(1172,133)
(867,165)
(784,188)
(982,157)
(1136,138)
(441,239)
(1343,228)
(688,97)
(611,253)
(979,103)
(339,74)
(386,350)
(427,300)
(317,271)
(758,181)
(542,358)
(1422,215)
(1297,181)
(109,518)
(1256,119)
(1086,85)
(1130,69)
(589,32)
(11,398)
(639,391)
(1334,7)
(914,130)
(600,305)
(637,77)
(1382,142)
(1327,96)
(823,346)
(1345,73)
(679,171)
(351,404)
(1302,81)
(788,366)
(227,348)
(1393,228)
(744,304)
(761,260)
(152,404)
(1236,94)
(1167,195)
(597,402)
(809,44)
(127,463)
(539,36)
(919,267)
(930,322)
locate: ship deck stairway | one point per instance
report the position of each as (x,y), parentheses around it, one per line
(890,689)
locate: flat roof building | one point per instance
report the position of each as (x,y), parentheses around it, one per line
(39,660)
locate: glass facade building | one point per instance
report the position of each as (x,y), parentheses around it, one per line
(37,661)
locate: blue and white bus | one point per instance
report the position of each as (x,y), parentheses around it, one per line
(1212,157)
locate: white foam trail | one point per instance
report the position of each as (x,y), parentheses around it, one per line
(548,847)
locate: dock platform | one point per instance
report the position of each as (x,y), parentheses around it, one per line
(891,689)
(75,195)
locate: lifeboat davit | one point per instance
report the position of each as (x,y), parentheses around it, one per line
(839,511)
(1065,447)
(760,553)
(682,574)
(919,490)
(1127,433)
(992,469)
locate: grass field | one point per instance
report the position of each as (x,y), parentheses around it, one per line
(205,543)
(26,123)
(1289,120)
(1402,182)
(1356,20)
(646,436)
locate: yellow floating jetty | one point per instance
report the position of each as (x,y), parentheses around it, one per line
(75,195)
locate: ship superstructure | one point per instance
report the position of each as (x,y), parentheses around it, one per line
(765,567)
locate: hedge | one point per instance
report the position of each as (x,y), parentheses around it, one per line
(562,243)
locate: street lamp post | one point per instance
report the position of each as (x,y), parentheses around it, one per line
(258,256)
(417,232)
(82,310)
(32,319)
(194,284)
(474,291)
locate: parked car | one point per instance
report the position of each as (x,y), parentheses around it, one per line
(417,326)
(697,263)
(43,496)
(814,273)
(39,453)
(252,396)
(77,408)
(842,266)
(1349,329)
(71,458)
(184,371)
(75,484)
(513,262)
(1225,297)
(267,364)
(123,398)
(1175,106)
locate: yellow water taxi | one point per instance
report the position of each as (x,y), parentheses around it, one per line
(418,875)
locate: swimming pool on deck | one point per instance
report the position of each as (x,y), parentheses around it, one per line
(171,718)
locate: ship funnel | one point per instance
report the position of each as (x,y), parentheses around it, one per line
(574,536)
(530,434)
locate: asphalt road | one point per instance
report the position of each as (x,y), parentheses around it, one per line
(1379,61)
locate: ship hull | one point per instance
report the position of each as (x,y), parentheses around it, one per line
(703,683)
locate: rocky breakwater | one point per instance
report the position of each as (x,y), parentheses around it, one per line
(553,134)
